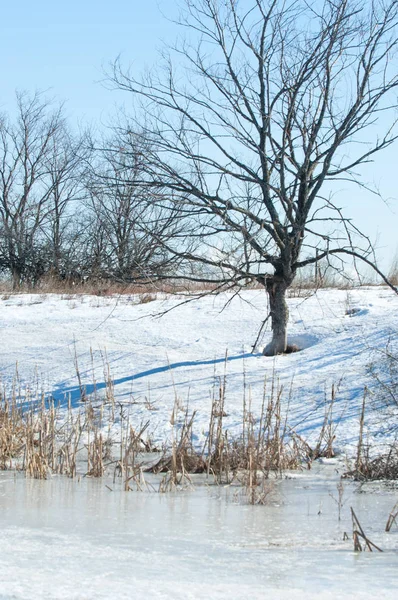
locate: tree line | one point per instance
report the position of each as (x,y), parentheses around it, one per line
(73,208)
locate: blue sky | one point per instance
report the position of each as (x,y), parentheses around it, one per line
(64,47)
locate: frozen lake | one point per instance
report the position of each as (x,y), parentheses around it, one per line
(68,539)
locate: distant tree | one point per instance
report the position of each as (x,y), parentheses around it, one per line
(277,101)
(26,186)
(66,166)
(129,225)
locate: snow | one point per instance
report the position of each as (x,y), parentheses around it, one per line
(76,539)
(153,359)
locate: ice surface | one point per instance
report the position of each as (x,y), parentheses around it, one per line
(64,539)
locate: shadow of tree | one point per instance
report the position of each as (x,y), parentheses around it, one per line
(64,392)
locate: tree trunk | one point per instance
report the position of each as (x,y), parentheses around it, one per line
(276,289)
(16,279)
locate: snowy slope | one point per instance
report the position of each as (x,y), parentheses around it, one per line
(183,352)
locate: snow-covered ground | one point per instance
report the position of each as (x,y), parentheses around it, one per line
(78,539)
(153,359)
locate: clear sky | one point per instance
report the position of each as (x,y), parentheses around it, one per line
(63,47)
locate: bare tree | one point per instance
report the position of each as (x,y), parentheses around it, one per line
(275,103)
(130,225)
(25,186)
(66,165)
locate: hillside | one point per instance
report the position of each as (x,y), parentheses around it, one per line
(155,359)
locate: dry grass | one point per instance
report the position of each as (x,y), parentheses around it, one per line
(393,272)
(392,517)
(102,287)
(368,467)
(384,466)
(263,449)
(181,459)
(41,437)
(12,437)
(384,371)
(264,446)
(323,448)
(359,536)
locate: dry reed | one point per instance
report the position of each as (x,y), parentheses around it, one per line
(96,434)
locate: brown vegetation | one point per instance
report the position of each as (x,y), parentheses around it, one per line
(42,437)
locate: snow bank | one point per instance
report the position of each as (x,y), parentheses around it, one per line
(152,359)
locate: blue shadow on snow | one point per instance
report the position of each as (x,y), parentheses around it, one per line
(62,392)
